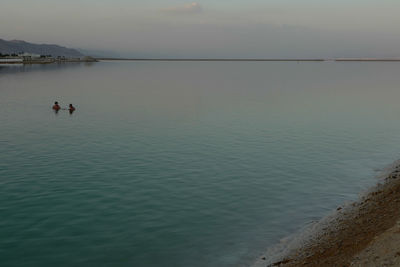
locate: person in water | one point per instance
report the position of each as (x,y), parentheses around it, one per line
(56,106)
(71,108)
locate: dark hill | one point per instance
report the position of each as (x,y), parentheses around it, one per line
(17,46)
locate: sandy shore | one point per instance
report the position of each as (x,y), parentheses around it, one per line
(363,233)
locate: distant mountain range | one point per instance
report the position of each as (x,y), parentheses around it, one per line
(18,46)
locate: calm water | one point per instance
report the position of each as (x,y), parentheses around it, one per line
(184,163)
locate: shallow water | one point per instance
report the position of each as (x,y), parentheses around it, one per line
(184,163)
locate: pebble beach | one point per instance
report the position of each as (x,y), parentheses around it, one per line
(363,233)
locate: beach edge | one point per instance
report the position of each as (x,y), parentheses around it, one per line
(365,232)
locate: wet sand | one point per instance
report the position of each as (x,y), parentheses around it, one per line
(363,233)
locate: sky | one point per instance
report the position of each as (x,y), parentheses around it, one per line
(205,28)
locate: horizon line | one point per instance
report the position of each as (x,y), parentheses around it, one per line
(252,59)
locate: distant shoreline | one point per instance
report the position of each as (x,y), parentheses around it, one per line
(214,60)
(259,59)
(46,61)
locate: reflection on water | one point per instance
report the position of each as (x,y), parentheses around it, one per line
(184,163)
(21,68)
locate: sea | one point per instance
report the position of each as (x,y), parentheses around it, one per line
(184,163)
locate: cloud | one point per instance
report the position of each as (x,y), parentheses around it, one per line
(191,8)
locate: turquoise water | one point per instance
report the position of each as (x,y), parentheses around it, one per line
(184,163)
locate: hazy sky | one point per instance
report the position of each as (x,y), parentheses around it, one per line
(205,28)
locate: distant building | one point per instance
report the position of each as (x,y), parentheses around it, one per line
(29,56)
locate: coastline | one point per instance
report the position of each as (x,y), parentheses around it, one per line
(48,61)
(257,59)
(362,233)
(206,60)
